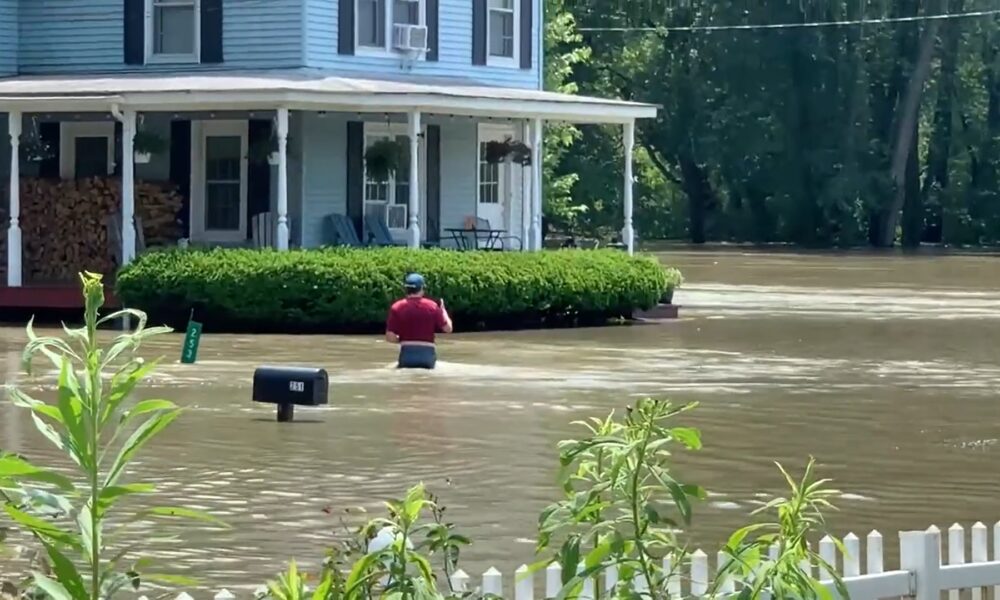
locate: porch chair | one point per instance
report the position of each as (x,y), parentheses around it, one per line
(264,230)
(114,226)
(377,232)
(342,231)
(482,223)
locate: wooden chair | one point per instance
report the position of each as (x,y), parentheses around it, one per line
(342,231)
(114,227)
(264,230)
(484,224)
(377,233)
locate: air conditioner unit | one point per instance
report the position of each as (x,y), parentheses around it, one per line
(409,38)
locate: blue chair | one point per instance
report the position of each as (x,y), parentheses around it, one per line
(377,232)
(343,232)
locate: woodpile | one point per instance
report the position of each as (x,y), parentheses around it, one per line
(64,224)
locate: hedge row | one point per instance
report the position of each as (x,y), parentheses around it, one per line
(351,289)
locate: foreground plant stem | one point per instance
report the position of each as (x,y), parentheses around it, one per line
(639,531)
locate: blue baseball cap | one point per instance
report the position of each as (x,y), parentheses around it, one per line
(414,281)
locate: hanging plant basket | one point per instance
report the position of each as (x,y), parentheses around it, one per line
(36,150)
(517,152)
(266,151)
(274,158)
(382,159)
(146,144)
(142,158)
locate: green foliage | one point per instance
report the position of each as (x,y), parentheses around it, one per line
(797,518)
(383,158)
(96,423)
(344,289)
(389,557)
(623,506)
(150,143)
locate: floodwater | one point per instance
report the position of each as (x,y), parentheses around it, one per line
(886,368)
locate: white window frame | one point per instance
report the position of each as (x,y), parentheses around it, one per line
(387,49)
(379,130)
(69,131)
(154,58)
(514,61)
(200,131)
(492,132)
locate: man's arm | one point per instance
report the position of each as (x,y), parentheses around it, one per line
(444,319)
(391,337)
(391,326)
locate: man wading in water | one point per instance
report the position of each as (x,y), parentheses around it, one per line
(412,323)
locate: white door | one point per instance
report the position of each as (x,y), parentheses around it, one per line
(389,199)
(219,186)
(494,196)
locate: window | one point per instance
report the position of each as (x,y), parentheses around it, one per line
(489,178)
(86,149)
(223,183)
(376,18)
(502,25)
(390,198)
(173,30)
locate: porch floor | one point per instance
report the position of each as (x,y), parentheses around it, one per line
(53,297)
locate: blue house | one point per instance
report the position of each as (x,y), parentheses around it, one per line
(256,117)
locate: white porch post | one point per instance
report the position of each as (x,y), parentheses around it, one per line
(525,190)
(535,232)
(283,233)
(128,186)
(414,133)
(629,140)
(14,230)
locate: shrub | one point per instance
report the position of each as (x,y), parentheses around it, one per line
(351,289)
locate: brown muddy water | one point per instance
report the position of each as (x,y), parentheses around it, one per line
(885,368)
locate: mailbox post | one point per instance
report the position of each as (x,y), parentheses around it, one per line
(288,387)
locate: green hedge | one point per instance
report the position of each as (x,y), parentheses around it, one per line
(350,289)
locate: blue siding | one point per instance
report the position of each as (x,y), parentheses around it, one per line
(324,174)
(454,57)
(8,37)
(59,36)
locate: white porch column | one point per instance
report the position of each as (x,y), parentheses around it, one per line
(283,233)
(128,186)
(525,190)
(535,232)
(629,232)
(14,230)
(414,133)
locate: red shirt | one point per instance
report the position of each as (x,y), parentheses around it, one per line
(415,320)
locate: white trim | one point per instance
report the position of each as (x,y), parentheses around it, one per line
(487,132)
(152,57)
(70,130)
(510,62)
(200,130)
(14,242)
(372,129)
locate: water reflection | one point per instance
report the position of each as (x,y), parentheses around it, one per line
(885,368)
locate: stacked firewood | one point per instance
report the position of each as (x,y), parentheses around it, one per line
(65,224)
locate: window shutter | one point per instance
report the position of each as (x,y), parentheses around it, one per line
(180,169)
(211,32)
(527,35)
(48,132)
(345,27)
(355,173)
(258,172)
(434,183)
(479,42)
(134,33)
(432,29)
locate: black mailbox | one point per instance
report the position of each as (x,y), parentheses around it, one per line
(290,386)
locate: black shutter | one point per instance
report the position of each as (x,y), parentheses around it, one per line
(49,134)
(433,30)
(355,173)
(433,183)
(211,31)
(258,172)
(134,33)
(345,27)
(527,37)
(479,32)
(180,170)
(117,150)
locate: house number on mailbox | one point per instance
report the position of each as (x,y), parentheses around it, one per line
(297,386)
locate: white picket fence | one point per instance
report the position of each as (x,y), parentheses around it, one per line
(922,573)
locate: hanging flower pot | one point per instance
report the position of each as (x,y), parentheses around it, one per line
(142,158)
(382,159)
(35,150)
(145,144)
(509,149)
(274,158)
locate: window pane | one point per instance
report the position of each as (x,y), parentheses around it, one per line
(173,29)
(371,23)
(91,157)
(502,33)
(223,165)
(222,206)
(406,13)
(223,158)
(397,217)
(502,4)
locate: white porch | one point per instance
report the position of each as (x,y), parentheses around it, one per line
(404,111)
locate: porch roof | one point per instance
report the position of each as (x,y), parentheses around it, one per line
(304,90)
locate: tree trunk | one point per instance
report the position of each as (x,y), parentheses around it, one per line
(913,205)
(906,126)
(699,195)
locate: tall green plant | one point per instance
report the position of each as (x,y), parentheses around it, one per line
(796,519)
(622,505)
(96,424)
